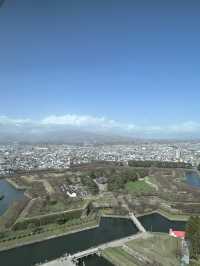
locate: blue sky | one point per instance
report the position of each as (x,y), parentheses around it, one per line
(134,62)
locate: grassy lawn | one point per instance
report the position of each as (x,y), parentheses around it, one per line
(14,238)
(173,216)
(60,206)
(195,263)
(138,187)
(118,257)
(161,248)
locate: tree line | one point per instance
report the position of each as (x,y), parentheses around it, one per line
(159,164)
(193,236)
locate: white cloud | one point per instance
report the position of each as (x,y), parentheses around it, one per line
(78,120)
(186,127)
(4,120)
(104,124)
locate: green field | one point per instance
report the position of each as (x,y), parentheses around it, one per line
(138,187)
(159,249)
(60,206)
(118,257)
(195,262)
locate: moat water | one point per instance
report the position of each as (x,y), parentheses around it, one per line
(193,178)
(158,223)
(110,229)
(10,195)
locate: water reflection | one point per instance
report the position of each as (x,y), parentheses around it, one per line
(193,178)
(110,229)
(158,223)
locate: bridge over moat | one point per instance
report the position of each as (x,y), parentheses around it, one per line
(137,223)
(112,244)
(71,260)
(115,243)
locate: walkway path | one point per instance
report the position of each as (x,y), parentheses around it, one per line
(137,255)
(150,183)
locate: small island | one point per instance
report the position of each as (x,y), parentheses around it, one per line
(2,197)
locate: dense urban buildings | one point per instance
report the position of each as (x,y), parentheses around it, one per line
(28,157)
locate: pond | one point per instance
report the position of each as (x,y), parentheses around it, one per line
(10,195)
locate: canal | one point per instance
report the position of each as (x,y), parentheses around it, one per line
(110,229)
(10,195)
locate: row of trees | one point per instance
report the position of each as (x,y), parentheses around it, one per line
(39,221)
(32,229)
(193,236)
(160,164)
